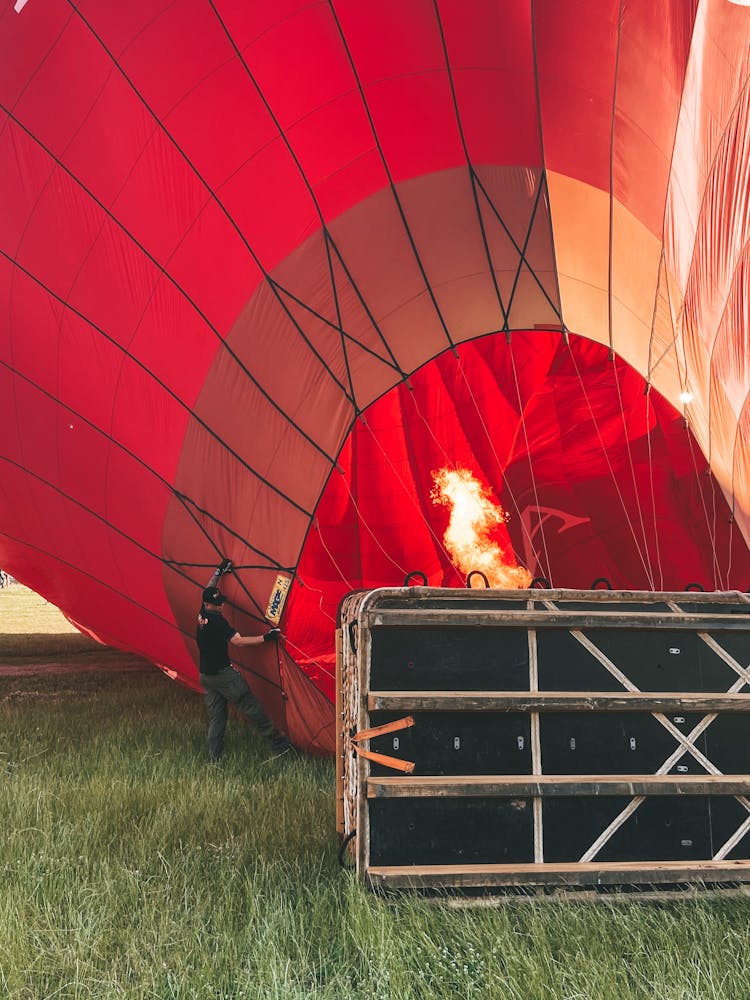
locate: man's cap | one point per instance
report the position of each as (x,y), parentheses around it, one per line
(211,595)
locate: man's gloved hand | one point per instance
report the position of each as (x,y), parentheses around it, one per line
(224,566)
(272,635)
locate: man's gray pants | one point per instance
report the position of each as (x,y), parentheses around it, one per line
(230,687)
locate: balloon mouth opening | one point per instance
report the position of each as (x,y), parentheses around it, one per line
(543,459)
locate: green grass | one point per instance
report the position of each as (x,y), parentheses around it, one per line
(131,868)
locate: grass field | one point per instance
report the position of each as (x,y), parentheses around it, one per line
(131,868)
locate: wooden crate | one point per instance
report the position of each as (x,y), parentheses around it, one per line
(544,738)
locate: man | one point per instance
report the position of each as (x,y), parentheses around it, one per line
(221,682)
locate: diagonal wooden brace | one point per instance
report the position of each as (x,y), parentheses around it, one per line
(407,766)
(389,727)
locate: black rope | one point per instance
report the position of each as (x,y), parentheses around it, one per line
(391,182)
(172,280)
(556,308)
(139,461)
(211,192)
(97,580)
(522,259)
(505,313)
(158,381)
(610,320)
(328,238)
(358,292)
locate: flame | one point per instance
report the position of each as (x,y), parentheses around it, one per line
(475,523)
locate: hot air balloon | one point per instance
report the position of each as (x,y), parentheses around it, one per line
(281,282)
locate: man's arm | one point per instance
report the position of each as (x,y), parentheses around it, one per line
(254,640)
(224,567)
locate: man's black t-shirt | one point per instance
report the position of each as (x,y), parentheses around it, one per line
(214,632)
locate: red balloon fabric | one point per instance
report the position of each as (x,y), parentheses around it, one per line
(266,269)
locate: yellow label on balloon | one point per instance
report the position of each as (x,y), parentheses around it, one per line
(278,598)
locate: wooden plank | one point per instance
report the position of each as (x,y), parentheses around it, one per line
(586,874)
(556,701)
(527,785)
(407,597)
(339,739)
(473,618)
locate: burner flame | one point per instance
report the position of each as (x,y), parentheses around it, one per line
(476,537)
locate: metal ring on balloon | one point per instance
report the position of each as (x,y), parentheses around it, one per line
(540,583)
(695,586)
(601,579)
(477,572)
(415,572)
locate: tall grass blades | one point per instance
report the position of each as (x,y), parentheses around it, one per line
(131,868)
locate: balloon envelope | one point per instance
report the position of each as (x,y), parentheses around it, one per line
(266,269)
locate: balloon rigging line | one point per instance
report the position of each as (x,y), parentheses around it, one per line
(173,395)
(182,497)
(472,179)
(522,258)
(629,450)
(389,176)
(605,453)
(306,181)
(409,494)
(367,310)
(213,194)
(684,386)
(699,479)
(307,659)
(40,66)
(166,274)
(317,590)
(524,529)
(647,398)
(369,529)
(610,253)
(524,429)
(527,238)
(336,566)
(125,597)
(557,309)
(340,329)
(99,582)
(649,367)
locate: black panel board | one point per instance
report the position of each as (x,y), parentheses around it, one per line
(571,825)
(705,608)
(440,831)
(662,828)
(727,815)
(612,743)
(563,664)
(737,644)
(660,660)
(665,828)
(458,742)
(450,659)
(727,742)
